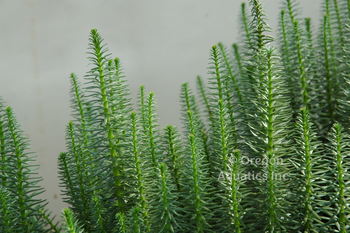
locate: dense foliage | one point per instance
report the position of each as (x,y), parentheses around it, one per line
(264,149)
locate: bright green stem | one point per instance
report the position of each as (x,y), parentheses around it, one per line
(309,36)
(78,164)
(21,194)
(223,135)
(167,221)
(111,140)
(201,88)
(97,205)
(68,216)
(215,57)
(189,108)
(340,25)
(234,188)
(122,224)
(291,15)
(110,74)
(231,75)
(348,9)
(259,23)
(287,61)
(53,227)
(206,150)
(5,210)
(331,46)
(81,109)
(118,74)
(3,153)
(152,145)
(136,222)
(174,157)
(328,71)
(303,81)
(342,218)
(238,59)
(140,182)
(196,189)
(308,175)
(143,108)
(245,24)
(82,121)
(270,146)
(69,184)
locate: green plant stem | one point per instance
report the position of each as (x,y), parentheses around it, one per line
(287,61)
(290,10)
(81,109)
(231,76)
(110,135)
(151,131)
(174,157)
(143,108)
(67,214)
(342,218)
(136,222)
(238,59)
(219,87)
(3,153)
(245,24)
(78,164)
(305,98)
(97,206)
(167,226)
(140,182)
(196,189)
(5,211)
(331,46)
(53,227)
(69,183)
(308,173)
(340,25)
(327,67)
(20,176)
(270,146)
(204,96)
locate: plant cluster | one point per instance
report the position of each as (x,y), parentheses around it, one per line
(265,149)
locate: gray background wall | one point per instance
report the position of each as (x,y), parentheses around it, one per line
(161,44)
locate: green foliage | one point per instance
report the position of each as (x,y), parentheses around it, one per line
(265,149)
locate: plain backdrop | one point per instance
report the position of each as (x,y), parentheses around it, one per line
(160,43)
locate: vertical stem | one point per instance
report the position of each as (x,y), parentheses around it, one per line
(174,158)
(151,131)
(3,153)
(342,215)
(270,146)
(196,188)
(80,176)
(166,214)
(340,25)
(305,98)
(234,188)
(307,157)
(110,135)
(20,176)
(328,72)
(287,60)
(245,24)
(200,84)
(138,170)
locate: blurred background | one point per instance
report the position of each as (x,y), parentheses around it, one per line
(161,44)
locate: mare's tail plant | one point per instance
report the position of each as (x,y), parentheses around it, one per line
(264,146)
